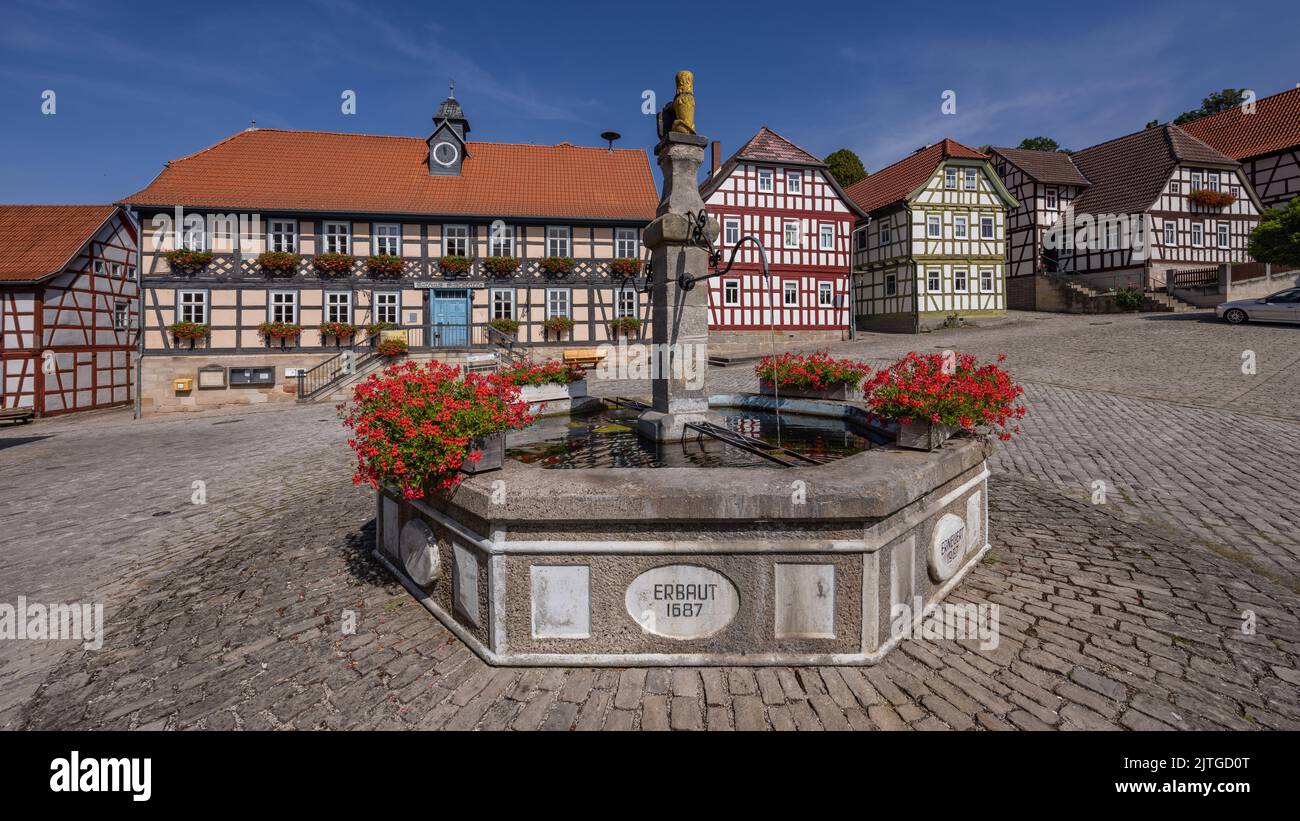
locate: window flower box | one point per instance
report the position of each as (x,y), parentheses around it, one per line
(625,267)
(810,376)
(333,264)
(509,327)
(625,325)
(1208,198)
(384,265)
(278,262)
(931,397)
(556,266)
(454,265)
(188,262)
(338,330)
(189,331)
(558,325)
(281,331)
(390,347)
(421,428)
(501,266)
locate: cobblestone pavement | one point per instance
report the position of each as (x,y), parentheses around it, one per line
(1127,614)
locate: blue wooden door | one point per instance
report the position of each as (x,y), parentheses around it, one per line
(450,319)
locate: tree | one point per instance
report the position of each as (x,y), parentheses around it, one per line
(1277,237)
(1213,103)
(1153,124)
(1041,144)
(845,167)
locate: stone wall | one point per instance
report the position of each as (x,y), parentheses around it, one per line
(761,340)
(158,394)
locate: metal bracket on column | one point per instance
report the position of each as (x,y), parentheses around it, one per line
(700,239)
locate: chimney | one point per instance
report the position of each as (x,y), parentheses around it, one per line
(717,159)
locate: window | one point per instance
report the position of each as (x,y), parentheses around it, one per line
(934,280)
(950,178)
(387,305)
(1235,191)
(625,243)
(891,284)
(1212,181)
(1196,180)
(959,227)
(282,236)
(557,241)
(455,240)
(791,234)
(1050,195)
(860,239)
(1175,187)
(337,236)
(338,306)
(968,179)
(1171,233)
(730,292)
(959,280)
(794,182)
(827,236)
(934,227)
(501,241)
(765,180)
(886,234)
(557,302)
(388,240)
(986,228)
(625,302)
(1198,234)
(1112,237)
(121,315)
(731,231)
(825,294)
(503,303)
(192,306)
(986,280)
(790,292)
(1223,234)
(283,307)
(193,238)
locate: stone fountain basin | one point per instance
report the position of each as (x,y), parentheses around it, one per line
(692,566)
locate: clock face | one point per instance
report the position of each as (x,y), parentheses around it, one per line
(445,153)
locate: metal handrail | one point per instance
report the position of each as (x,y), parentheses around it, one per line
(347,362)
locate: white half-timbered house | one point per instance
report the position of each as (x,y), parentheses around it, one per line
(785,197)
(69,307)
(933,246)
(1265,138)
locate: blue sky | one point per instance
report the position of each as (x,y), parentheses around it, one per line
(151,81)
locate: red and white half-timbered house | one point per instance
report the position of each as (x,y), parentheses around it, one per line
(787,199)
(69,307)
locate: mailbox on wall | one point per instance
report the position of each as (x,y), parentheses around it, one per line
(251,377)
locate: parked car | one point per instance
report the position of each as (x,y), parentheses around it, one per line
(1284,306)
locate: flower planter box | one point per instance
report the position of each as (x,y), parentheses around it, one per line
(493,447)
(840,393)
(549,393)
(923,435)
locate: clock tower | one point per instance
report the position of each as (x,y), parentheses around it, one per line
(447,146)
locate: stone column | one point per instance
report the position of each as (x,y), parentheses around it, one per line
(680,318)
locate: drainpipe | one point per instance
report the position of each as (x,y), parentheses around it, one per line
(139,319)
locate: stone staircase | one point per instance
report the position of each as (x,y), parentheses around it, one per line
(1079,298)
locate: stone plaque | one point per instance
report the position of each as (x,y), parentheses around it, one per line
(805,601)
(975,520)
(682,601)
(947,547)
(420,553)
(465,583)
(561,601)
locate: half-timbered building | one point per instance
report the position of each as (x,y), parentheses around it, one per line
(479,231)
(68,307)
(785,197)
(933,246)
(1265,138)
(1151,202)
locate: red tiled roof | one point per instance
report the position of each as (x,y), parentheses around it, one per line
(1051,167)
(1129,172)
(271,169)
(768,146)
(39,240)
(894,182)
(1274,126)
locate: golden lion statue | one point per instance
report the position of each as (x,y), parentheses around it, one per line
(679,115)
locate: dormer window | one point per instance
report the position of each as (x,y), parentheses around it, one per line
(794,182)
(950,178)
(337,238)
(968,179)
(765,180)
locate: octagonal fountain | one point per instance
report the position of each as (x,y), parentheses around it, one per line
(700,529)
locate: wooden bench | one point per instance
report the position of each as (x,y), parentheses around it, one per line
(583,357)
(21,415)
